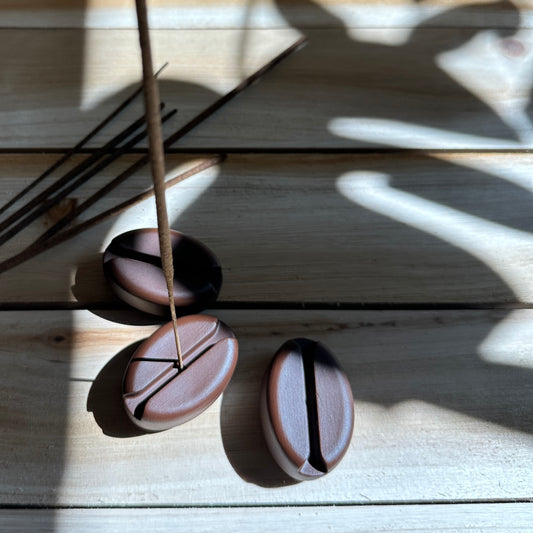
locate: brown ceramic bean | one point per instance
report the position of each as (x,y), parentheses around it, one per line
(306,409)
(158,395)
(132,265)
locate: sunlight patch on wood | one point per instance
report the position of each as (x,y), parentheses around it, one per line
(510,342)
(179,199)
(398,134)
(498,71)
(236,14)
(501,252)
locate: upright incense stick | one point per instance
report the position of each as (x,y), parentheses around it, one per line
(157,163)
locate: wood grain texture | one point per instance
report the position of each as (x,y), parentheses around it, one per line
(443,398)
(442,401)
(239,14)
(467,88)
(409,228)
(483,518)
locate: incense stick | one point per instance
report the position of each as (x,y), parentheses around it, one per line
(37,249)
(42,245)
(250,80)
(76,149)
(80,180)
(71,174)
(156,154)
(98,195)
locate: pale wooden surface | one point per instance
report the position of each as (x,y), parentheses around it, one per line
(442,402)
(328,228)
(239,14)
(335,213)
(496,518)
(467,88)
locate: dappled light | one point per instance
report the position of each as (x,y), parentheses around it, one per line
(373,192)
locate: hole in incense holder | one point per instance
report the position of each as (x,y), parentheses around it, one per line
(158,395)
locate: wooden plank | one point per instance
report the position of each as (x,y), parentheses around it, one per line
(465,89)
(484,518)
(301,228)
(239,14)
(442,400)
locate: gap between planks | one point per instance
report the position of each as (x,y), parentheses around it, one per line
(325,505)
(280,306)
(46,151)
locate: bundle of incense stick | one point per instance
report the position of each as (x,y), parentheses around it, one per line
(53,237)
(74,179)
(78,147)
(107,149)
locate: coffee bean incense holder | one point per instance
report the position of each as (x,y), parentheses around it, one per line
(133,268)
(157,394)
(307,409)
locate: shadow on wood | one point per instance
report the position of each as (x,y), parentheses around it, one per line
(105,397)
(423,358)
(296,236)
(241,430)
